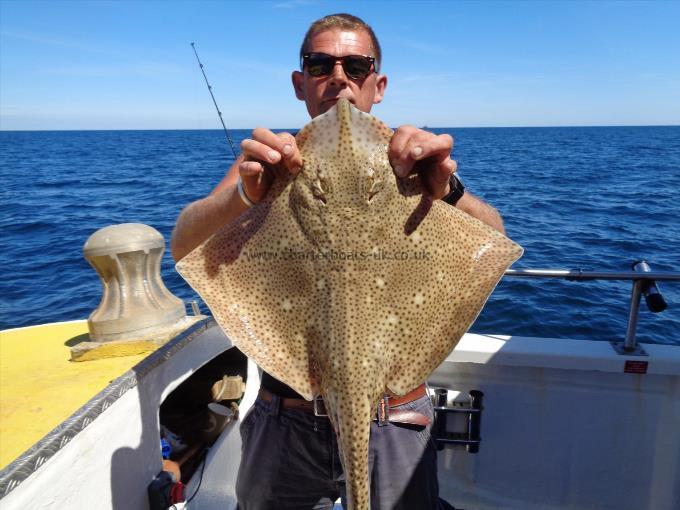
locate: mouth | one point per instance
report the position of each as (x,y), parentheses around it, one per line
(331,102)
(327,104)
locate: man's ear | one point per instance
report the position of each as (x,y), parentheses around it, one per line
(380,86)
(298,84)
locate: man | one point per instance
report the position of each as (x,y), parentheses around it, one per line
(289,457)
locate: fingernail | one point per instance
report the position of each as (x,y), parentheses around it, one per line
(273,156)
(399,170)
(287,149)
(417,151)
(247,166)
(297,170)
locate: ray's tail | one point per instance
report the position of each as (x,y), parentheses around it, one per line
(352,421)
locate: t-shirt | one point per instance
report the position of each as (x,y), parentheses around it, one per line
(276,387)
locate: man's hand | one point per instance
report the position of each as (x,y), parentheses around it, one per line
(262,156)
(414,150)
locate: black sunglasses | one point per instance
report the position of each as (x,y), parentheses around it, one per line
(356,67)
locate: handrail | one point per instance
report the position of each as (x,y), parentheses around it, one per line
(644,283)
(579,274)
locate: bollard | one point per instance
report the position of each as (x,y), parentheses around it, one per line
(135,305)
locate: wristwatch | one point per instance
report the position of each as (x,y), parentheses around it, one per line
(456,190)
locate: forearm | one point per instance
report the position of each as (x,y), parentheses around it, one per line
(479,209)
(201,219)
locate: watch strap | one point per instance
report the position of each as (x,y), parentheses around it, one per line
(456,190)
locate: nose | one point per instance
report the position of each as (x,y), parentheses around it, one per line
(338,75)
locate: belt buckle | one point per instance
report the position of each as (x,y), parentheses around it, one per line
(383,414)
(318,399)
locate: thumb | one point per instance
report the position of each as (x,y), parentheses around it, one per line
(256,180)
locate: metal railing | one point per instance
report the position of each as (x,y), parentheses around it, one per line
(644,283)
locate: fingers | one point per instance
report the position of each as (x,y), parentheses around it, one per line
(264,154)
(410,144)
(250,168)
(414,150)
(273,148)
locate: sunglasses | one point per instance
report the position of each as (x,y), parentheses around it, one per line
(356,67)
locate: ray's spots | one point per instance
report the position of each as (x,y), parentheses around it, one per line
(325,321)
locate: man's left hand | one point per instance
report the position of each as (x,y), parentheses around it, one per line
(413,150)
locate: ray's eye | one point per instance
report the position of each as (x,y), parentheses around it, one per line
(375,184)
(318,192)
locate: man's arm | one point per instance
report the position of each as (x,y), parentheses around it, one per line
(202,218)
(477,208)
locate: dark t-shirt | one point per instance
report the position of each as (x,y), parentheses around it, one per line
(276,387)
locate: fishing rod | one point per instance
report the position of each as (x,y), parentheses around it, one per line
(226,131)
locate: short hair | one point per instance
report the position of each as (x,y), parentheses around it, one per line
(342,21)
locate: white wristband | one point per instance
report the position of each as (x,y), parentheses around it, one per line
(242,193)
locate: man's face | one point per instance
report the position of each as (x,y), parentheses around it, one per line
(322,92)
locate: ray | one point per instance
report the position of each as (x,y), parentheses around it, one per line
(347,282)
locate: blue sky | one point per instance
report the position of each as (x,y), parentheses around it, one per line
(129,65)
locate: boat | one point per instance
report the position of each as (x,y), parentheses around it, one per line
(522,423)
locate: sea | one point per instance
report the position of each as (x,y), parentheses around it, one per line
(590,198)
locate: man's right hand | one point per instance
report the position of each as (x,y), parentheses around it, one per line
(262,156)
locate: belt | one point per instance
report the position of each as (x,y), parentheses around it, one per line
(386,407)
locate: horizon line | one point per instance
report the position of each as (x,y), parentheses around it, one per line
(550,126)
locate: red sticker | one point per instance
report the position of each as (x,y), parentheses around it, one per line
(636,367)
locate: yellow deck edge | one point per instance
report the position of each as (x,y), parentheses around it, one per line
(40,387)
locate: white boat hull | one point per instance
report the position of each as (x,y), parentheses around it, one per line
(562,428)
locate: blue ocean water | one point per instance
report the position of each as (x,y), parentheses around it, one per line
(592,198)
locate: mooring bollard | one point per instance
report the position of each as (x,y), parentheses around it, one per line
(136,311)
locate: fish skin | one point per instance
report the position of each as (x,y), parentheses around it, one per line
(312,283)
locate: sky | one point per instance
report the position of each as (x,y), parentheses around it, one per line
(129,65)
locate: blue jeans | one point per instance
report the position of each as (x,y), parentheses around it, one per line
(290,461)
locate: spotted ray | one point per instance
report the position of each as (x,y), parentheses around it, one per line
(347,282)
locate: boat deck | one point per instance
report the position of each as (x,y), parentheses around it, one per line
(40,387)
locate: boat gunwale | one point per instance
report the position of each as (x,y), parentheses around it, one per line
(32,459)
